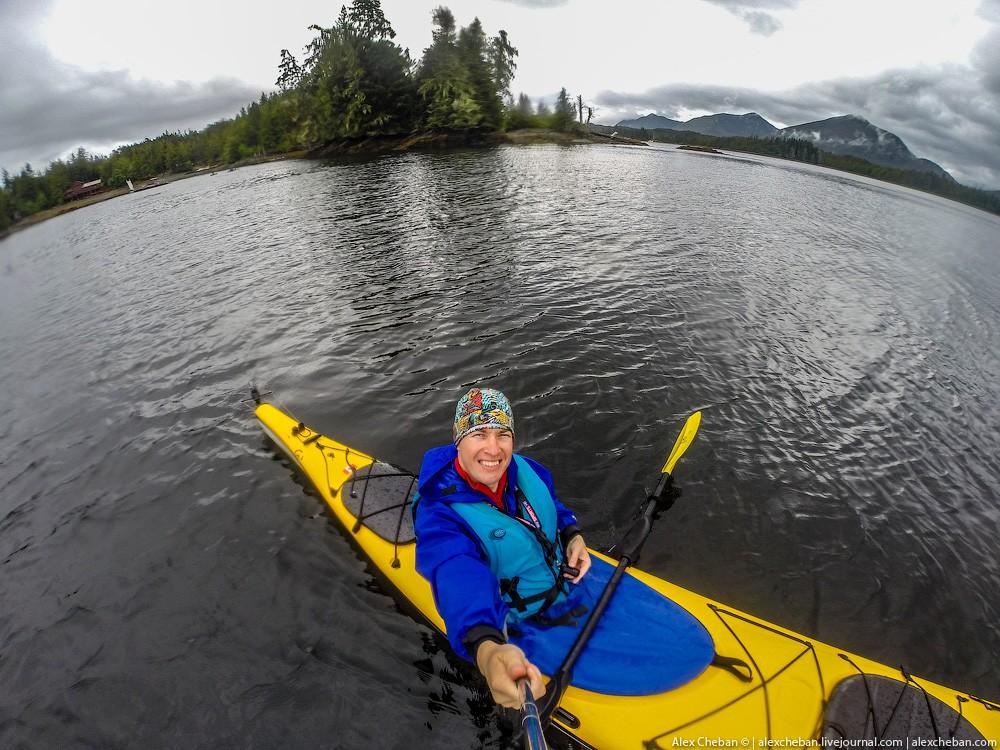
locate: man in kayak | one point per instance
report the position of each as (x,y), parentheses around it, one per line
(494,541)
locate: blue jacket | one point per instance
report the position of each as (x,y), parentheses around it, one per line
(451,557)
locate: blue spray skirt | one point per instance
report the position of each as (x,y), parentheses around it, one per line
(644,643)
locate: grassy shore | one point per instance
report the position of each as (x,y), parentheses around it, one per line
(447,140)
(374,145)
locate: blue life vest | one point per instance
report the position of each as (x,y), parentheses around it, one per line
(525,559)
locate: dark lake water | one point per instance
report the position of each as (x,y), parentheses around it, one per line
(166,580)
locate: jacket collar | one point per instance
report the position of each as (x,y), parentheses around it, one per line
(439,480)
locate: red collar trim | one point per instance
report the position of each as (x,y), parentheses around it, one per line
(495,497)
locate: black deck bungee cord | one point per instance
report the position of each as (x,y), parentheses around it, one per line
(364,494)
(871,701)
(652,743)
(353,492)
(908,679)
(361,516)
(958,720)
(399,521)
(927,700)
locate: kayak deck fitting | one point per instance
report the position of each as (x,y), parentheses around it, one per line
(784,685)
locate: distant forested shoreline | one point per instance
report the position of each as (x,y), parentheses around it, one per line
(352,82)
(797,149)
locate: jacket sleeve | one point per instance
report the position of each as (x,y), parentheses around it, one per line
(566,521)
(466,592)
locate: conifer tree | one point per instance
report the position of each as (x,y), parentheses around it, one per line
(502,54)
(369,21)
(444,83)
(6,207)
(474,53)
(289,72)
(356,81)
(565,112)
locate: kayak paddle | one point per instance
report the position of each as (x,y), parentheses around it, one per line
(660,500)
(534,738)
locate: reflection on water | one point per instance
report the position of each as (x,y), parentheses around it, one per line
(167,582)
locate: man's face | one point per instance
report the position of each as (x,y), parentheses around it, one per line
(485,455)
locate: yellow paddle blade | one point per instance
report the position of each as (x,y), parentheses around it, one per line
(683,441)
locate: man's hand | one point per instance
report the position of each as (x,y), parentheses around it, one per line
(502,664)
(577,557)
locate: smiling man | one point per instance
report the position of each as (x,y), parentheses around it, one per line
(495,543)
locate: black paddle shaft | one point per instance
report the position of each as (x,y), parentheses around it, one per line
(630,547)
(661,499)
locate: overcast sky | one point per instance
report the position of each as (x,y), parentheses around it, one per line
(105,72)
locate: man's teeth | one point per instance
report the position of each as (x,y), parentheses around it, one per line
(490,464)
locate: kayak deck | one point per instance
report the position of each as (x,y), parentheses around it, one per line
(793,678)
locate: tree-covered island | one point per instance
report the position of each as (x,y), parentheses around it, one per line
(354,89)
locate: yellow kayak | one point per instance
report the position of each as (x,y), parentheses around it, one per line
(799,690)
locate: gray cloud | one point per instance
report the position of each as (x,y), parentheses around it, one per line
(990,10)
(947,113)
(537,3)
(739,5)
(48,107)
(22,15)
(752,11)
(761,23)
(986,59)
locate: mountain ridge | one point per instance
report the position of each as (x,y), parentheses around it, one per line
(722,124)
(846,135)
(852,135)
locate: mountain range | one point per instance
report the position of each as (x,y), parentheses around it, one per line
(848,135)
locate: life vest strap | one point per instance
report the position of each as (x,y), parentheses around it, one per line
(508,588)
(566,618)
(549,549)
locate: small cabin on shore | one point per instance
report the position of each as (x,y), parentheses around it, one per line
(82,190)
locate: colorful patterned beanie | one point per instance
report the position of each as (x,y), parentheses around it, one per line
(480,409)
